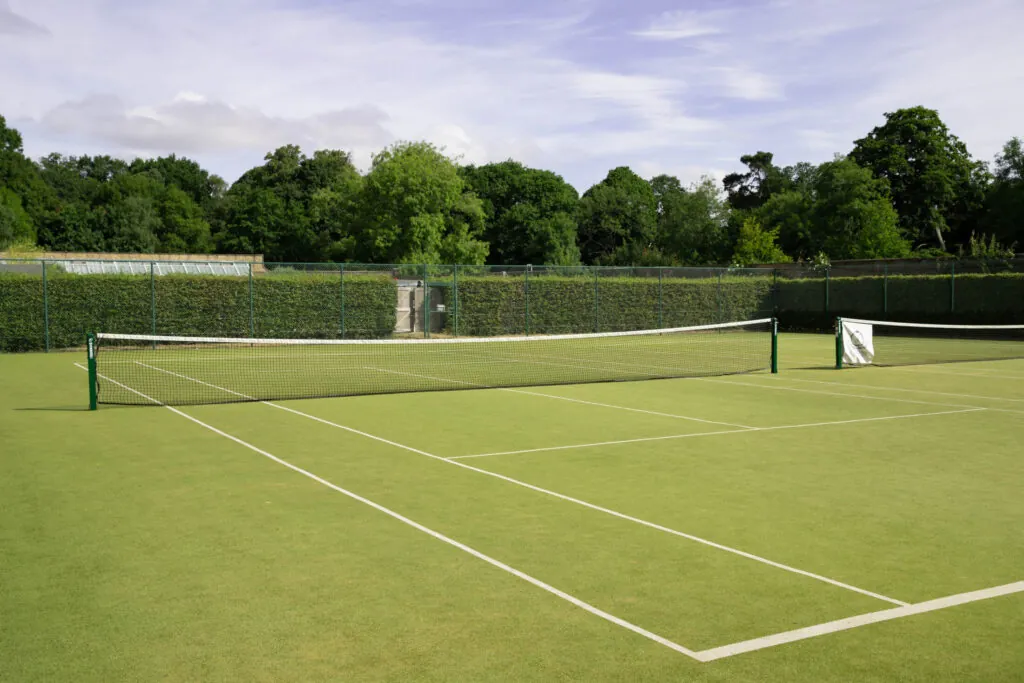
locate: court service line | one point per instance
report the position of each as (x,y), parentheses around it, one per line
(430,532)
(904,390)
(728,431)
(929,371)
(560,496)
(565,398)
(776,639)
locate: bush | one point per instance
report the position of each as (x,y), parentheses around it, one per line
(285,305)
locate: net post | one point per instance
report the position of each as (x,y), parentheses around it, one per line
(426,301)
(775,346)
(252,307)
(90,345)
(455,297)
(341,273)
(46,310)
(952,287)
(526,295)
(152,300)
(661,298)
(839,343)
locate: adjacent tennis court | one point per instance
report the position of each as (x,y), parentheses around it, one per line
(811,525)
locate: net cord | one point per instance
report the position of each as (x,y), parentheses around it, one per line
(932,326)
(102,336)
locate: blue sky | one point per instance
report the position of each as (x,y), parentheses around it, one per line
(575,86)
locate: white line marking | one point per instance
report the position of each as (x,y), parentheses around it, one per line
(566,398)
(929,371)
(830,393)
(910,391)
(430,532)
(577,501)
(855,622)
(726,431)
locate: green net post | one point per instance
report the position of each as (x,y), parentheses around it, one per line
(885,290)
(661,298)
(252,307)
(526,298)
(341,294)
(90,346)
(46,310)
(775,346)
(952,287)
(152,299)
(455,300)
(597,302)
(426,301)
(839,343)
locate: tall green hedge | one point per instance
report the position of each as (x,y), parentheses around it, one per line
(293,305)
(489,306)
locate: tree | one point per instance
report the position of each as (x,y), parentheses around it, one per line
(936,187)
(757,245)
(184,174)
(693,224)
(414,208)
(530,214)
(751,190)
(1004,203)
(618,218)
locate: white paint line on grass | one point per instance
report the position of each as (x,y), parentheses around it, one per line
(719,433)
(566,398)
(901,389)
(570,499)
(430,532)
(856,622)
(995,374)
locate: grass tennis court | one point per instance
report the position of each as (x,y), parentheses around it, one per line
(817,525)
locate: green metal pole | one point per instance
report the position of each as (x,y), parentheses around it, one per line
(426,301)
(775,346)
(341,272)
(152,300)
(828,282)
(885,290)
(90,345)
(839,343)
(455,298)
(718,297)
(46,310)
(252,307)
(952,288)
(526,293)
(661,298)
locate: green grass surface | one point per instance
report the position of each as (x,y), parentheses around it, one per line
(137,545)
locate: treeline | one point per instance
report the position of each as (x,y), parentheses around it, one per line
(909,187)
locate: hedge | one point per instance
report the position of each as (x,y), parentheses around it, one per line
(300,305)
(489,306)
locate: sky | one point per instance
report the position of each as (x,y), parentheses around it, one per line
(574,86)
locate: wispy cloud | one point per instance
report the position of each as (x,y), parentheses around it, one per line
(15,24)
(683,25)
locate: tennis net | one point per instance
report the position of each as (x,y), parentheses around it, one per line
(144,369)
(876,342)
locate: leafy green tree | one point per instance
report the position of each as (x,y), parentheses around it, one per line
(693,223)
(618,219)
(936,186)
(757,245)
(15,223)
(530,215)
(751,190)
(20,176)
(1004,204)
(414,208)
(184,174)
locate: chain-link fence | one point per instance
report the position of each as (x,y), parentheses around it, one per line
(49,304)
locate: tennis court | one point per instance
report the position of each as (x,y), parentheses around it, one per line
(813,525)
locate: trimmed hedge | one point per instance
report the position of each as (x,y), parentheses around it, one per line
(491,306)
(300,305)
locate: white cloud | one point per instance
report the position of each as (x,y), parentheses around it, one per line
(682,25)
(15,24)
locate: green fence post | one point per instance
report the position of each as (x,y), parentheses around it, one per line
(90,345)
(455,299)
(828,282)
(885,290)
(426,301)
(952,287)
(839,343)
(252,307)
(341,272)
(526,295)
(152,300)
(46,310)
(775,292)
(597,304)
(775,346)
(718,297)
(661,298)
